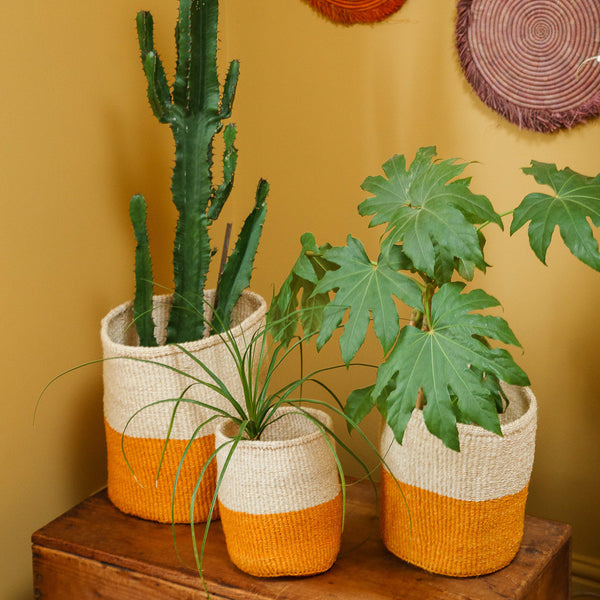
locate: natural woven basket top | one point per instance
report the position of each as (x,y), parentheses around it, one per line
(120,337)
(293,429)
(522,58)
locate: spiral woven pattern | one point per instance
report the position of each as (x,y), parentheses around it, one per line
(357,11)
(522,58)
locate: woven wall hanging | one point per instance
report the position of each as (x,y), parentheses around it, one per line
(525,59)
(357,11)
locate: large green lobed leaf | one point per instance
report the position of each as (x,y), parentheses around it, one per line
(296,300)
(576,199)
(430,212)
(365,289)
(449,363)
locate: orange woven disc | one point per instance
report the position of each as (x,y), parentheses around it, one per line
(525,59)
(357,11)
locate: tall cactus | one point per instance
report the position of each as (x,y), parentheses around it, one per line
(194,109)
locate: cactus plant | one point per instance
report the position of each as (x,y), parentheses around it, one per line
(195,109)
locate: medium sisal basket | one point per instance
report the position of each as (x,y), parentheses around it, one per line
(466,508)
(280,498)
(130,385)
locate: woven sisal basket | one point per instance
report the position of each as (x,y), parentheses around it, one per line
(130,385)
(280,498)
(466,508)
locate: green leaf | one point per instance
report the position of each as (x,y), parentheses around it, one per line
(285,313)
(365,289)
(449,361)
(576,199)
(358,405)
(429,212)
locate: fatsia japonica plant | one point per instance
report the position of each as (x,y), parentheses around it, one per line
(448,360)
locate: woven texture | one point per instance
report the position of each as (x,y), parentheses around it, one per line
(466,508)
(280,498)
(522,56)
(130,385)
(152,499)
(357,11)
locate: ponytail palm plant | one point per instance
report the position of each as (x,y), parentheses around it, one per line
(447,360)
(258,360)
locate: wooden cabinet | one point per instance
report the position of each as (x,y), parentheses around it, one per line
(96,552)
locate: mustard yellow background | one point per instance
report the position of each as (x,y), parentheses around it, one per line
(319,108)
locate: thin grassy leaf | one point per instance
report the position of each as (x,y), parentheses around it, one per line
(210,407)
(199,557)
(220,387)
(325,432)
(177,475)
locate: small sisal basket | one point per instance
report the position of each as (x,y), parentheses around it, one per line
(130,385)
(280,498)
(466,508)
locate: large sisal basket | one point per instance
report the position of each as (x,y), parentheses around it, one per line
(466,508)
(280,498)
(130,385)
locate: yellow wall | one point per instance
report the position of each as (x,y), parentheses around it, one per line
(319,108)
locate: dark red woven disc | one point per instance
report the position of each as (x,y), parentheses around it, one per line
(357,11)
(522,56)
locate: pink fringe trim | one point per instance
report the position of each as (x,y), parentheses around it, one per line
(541,120)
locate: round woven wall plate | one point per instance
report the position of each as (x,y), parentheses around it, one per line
(525,59)
(356,11)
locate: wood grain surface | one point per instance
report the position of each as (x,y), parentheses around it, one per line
(95,551)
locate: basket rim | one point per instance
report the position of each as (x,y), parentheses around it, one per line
(260,445)
(152,352)
(518,424)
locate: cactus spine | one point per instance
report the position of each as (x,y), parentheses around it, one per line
(194,109)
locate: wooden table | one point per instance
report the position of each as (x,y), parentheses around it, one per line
(95,551)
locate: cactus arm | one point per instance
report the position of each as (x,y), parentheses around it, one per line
(159,94)
(191,262)
(229,89)
(203,92)
(196,86)
(142,306)
(183,42)
(230,155)
(195,122)
(237,272)
(191,190)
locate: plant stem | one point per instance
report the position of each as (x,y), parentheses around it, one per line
(427,298)
(504,214)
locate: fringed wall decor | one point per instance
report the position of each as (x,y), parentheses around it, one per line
(530,60)
(357,11)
